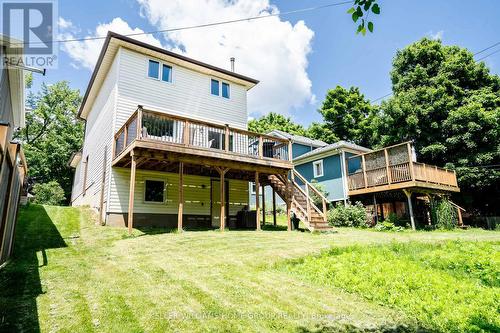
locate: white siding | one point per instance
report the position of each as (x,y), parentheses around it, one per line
(188,94)
(196,193)
(98,138)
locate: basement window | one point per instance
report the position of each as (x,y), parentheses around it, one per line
(318,168)
(154,191)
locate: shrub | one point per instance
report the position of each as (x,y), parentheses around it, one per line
(321,189)
(50,193)
(387,226)
(347,215)
(446,215)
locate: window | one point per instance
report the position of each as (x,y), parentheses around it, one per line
(318,168)
(166,73)
(154,191)
(153,69)
(225,90)
(214,87)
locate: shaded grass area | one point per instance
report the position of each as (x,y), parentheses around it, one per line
(450,287)
(70,275)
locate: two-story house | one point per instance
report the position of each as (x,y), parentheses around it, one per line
(166,144)
(12,162)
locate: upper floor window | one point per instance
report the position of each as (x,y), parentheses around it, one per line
(214,87)
(225,89)
(218,88)
(154,69)
(318,169)
(166,73)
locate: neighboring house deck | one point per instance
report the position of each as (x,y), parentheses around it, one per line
(394,168)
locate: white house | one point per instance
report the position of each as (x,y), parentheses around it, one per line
(164,133)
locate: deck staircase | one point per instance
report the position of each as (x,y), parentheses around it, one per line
(302,194)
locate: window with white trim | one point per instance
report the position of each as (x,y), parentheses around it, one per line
(154,191)
(159,71)
(318,169)
(219,88)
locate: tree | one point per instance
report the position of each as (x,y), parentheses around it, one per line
(52,133)
(347,116)
(361,10)
(275,121)
(448,105)
(321,131)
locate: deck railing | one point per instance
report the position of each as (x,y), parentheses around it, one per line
(395,169)
(170,129)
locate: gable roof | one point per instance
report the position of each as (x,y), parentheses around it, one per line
(298,139)
(112,44)
(332,148)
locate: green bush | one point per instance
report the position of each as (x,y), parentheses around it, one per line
(50,193)
(347,215)
(321,189)
(387,226)
(446,215)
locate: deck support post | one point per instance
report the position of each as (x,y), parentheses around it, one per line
(222,174)
(410,208)
(130,221)
(289,214)
(181,196)
(263,205)
(257,199)
(375,207)
(274,207)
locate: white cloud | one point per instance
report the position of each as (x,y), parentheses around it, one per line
(85,53)
(270,50)
(437,35)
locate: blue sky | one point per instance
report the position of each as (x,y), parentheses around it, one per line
(337,56)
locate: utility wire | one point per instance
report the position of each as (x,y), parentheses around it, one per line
(253,18)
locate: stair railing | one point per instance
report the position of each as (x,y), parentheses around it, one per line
(309,187)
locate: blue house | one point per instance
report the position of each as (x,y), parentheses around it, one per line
(318,162)
(327,166)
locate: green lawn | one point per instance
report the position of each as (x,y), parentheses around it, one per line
(70,275)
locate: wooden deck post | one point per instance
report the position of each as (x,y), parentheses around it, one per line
(139,123)
(410,208)
(289,214)
(364,170)
(222,173)
(388,169)
(131,192)
(460,221)
(290,152)
(410,161)
(375,208)
(226,138)
(274,207)
(181,196)
(263,205)
(257,199)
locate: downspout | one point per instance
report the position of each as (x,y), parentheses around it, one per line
(344,176)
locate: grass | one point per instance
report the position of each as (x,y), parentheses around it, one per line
(70,275)
(449,287)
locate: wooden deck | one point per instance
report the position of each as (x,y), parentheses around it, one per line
(393,168)
(168,138)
